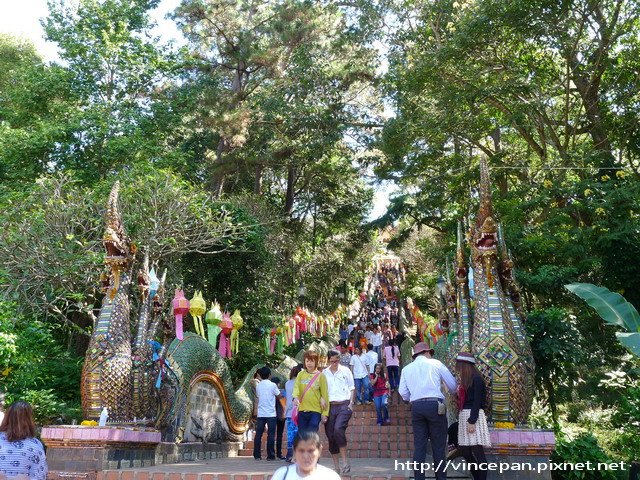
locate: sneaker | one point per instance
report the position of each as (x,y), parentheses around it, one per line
(379,424)
(257,459)
(387,421)
(271,459)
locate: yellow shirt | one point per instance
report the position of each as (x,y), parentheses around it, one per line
(311,400)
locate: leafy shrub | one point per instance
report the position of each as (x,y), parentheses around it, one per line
(47,407)
(626,416)
(540,416)
(582,449)
(35,367)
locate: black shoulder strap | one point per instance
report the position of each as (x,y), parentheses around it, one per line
(286,472)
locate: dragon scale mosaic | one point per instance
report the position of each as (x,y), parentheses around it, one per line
(487,318)
(135,379)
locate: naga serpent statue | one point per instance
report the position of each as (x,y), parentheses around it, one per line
(144,378)
(494,330)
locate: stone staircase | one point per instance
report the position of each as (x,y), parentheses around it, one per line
(365,438)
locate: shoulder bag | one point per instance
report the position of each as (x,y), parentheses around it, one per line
(294,410)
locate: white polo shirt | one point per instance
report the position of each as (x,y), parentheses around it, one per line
(359,364)
(267,391)
(372,360)
(422,379)
(340,383)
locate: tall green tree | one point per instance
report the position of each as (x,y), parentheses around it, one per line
(34,107)
(118,71)
(284,81)
(533,87)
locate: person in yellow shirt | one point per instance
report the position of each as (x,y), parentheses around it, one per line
(312,401)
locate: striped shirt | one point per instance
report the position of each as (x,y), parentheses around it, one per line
(22,457)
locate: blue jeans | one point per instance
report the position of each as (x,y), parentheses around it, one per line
(382,412)
(309,421)
(362,388)
(270,422)
(378,349)
(292,431)
(394,377)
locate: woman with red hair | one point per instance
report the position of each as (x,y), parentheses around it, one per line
(473,431)
(22,453)
(311,394)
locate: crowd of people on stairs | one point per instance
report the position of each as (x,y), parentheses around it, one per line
(365,369)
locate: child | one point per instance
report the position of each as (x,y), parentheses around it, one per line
(292,428)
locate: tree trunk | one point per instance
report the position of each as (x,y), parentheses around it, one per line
(500,176)
(216,174)
(591,101)
(552,401)
(257,181)
(291,181)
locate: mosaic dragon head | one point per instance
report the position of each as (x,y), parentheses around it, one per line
(119,250)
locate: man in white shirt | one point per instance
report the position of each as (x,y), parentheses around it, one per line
(266,394)
(420,383)
(350,327)
(368,334)
(360,373)
(341,395)
(376,341)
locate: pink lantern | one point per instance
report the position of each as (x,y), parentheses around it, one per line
(180,308)
(226,324)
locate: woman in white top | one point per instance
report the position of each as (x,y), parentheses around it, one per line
(306,450)
(391,357)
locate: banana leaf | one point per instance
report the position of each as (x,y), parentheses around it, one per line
(614,310)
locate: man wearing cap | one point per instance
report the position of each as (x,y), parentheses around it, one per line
(420,383)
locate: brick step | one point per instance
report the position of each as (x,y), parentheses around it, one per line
(383,444)
(371,429)
(386,430)
(353,453)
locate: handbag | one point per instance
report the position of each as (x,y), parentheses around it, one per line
(294,410)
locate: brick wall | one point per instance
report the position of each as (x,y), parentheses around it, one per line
(204,403)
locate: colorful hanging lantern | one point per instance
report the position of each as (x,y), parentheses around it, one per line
(273,338)
(298,321)
(289,330)
(180,308)
(197,308)
(266,340)
(213,319)
(226,324)
(237,322)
